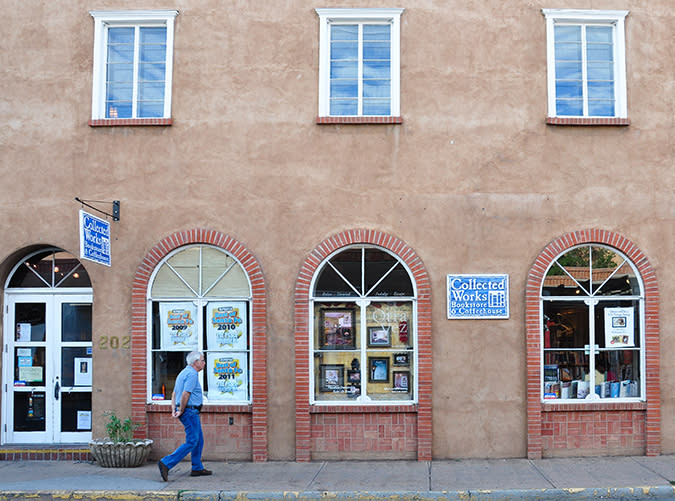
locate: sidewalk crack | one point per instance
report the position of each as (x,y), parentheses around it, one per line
(539,470)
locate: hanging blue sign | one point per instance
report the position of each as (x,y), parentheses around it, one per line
(94,238)
(478,296)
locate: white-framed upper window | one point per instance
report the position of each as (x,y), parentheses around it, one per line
(363,312)
(592,328)
(586,63)
(359,62)
(133,64)
(200,299)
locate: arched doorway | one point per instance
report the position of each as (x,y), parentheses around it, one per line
(47,365)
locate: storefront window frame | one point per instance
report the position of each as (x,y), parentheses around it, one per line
(361,302)
(593,302)
(201,299)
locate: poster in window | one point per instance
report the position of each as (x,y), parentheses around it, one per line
(82,371)
(226,326)
(227,376)
(178,326)
(619,327)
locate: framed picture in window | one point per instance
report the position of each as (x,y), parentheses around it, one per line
(379,336)
(401,381)
(332,377)
(354,376)
(402,359)
(337,329)
(378,369)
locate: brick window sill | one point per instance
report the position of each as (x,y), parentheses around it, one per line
(358,120)
(594,407)
(125,122)
(208,408)
(361,409)
(586,121)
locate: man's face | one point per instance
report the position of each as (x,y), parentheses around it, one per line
(200,364)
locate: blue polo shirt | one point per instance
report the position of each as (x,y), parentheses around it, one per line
(188,380)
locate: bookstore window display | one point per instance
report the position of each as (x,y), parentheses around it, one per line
(200,300)
(363,323)
(592,327)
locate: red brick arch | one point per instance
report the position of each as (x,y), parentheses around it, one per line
(419,420)
(643,419)
(139,335)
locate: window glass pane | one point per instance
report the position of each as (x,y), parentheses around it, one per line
(340,51)
(150,110)
(119,109)
(333,380)
(167,284)
(386,273)
(375,89)
(29,411)
(344,32)
(344,107)
(329,283)
(566,324)
(30,322)
(166,365)
(29,366)
(600,71)
(567,34)
(344,69)
(75,322)
(617,374)
(348,263)
(600,90)
(186,264)
(78,278)
(616,324)
(599,34)
(568,52)
(344,88)
(36,271)
(152,72)
(598,52)
(601,108)
(376,50)
(75,361)
(120,73)
(118,36)
(566,374)
(71,404)
(376,69)
(568,89)
(380,32)
(566,70)
(336,327)
(569,107)
(386,382)
(156,36)
(389,325)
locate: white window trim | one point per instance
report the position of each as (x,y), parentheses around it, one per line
(615,18)
(326,16)
(200,302)
(592,397)
(105,19)
(362,302)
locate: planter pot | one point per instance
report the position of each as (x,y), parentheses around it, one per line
(120,454)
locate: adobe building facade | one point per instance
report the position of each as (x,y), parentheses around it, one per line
(396,231)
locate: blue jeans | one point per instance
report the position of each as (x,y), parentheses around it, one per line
(194,442)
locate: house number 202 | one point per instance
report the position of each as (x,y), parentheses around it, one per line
(114,342)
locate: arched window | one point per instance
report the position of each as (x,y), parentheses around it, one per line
(363,307)
(592,307)
(199,299)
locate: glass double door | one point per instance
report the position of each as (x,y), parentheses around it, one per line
(47,369)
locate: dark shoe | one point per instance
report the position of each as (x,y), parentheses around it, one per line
(200,473)
(163,470)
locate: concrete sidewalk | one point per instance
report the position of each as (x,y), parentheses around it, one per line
(626,478)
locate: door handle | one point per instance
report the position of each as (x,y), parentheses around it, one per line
(57,387)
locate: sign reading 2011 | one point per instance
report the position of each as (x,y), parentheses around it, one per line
(478,296)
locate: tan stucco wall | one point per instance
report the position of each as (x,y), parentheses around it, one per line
(473,180)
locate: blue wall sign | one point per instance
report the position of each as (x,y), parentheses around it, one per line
(94,238)
(478,296)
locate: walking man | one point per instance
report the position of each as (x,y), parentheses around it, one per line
(186,402)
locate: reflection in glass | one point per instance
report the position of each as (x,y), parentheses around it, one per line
(29,411)
(75,411)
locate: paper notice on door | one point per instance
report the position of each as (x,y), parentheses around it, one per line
(23,332)
(84,420)
(82,371)
(30,374)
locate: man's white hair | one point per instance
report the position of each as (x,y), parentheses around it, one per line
(193,356)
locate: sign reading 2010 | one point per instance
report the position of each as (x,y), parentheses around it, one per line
(478,296)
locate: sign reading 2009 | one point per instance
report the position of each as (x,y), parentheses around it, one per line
(478,296)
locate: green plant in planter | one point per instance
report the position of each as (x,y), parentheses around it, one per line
(118,430)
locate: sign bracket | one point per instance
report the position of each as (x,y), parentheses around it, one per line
(115,207)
